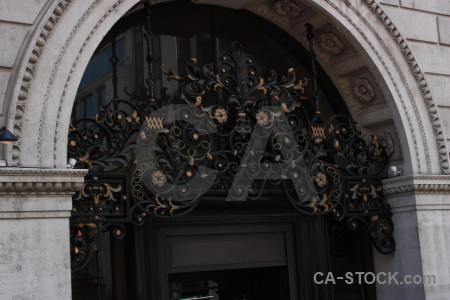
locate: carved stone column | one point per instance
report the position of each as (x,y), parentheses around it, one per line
(421,208)
(35,207)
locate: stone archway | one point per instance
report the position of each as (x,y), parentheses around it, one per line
(55,63)
(58,57)
(59,49)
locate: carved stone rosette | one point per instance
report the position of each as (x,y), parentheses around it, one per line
(287,8)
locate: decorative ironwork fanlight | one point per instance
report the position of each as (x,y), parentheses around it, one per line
(260,138)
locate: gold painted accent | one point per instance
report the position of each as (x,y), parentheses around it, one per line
(220,114)
(313,207)
(142,135)
(154,122)
(195,136)
(198,101)
(73,143)
(263,89)
(262,118)
(325,206)
(191,161)
(321,179)
(85,160)
(336,144)
(189,173)
(175,77)
(318,131)
(209,156)
(159,178)
(217,85)
(374,191)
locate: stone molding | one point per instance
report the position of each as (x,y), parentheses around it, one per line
(33,60)
(26,181)
(417,184)
(394,66)
(411,66)
(420,80)
(60,9)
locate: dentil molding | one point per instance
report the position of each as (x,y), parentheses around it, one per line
(420,80)
(417,184)
(28,181)
(284,7)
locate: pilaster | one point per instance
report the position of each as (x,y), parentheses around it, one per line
(421,214)
(35,207)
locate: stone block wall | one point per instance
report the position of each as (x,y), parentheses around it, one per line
(424,23)
(17,19)
(426,26)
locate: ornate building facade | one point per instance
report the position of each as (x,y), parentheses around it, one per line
(385,63)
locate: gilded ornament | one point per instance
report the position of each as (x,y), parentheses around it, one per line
(263,118)
(158,178)
(321,179)
(220,115)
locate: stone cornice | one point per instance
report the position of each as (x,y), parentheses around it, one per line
(29,181)
(420,80)
(417,184)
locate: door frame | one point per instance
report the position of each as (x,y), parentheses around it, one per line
(306,246)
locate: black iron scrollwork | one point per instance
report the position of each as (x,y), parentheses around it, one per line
(322,167)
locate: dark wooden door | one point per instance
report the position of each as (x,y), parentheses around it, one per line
(271,257)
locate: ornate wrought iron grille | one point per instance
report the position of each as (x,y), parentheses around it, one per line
(323,167)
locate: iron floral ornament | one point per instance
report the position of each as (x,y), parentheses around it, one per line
(257,137)
(239,135)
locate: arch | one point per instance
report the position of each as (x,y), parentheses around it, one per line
(43,135)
